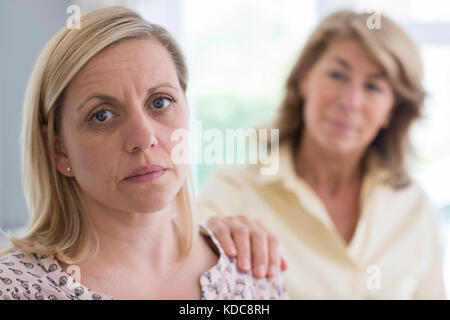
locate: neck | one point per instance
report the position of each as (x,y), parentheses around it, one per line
(128,239)
(326,170)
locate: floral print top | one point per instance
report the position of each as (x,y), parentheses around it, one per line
(25,276)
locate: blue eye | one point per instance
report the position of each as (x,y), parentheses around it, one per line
(161,102)
(101,115)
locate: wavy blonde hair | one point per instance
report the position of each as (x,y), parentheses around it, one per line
(58,223)
(395,52)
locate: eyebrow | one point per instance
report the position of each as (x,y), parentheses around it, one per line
(343,63)
(108,98)
(346,65)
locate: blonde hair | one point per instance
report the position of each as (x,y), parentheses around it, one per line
(59,224)
(396,53)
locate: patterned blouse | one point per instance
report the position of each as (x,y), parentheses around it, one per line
(31,276)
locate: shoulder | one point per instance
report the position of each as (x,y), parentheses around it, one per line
(225,192)
(30,276)
(275,167)
(418,201)
(407,208)
(400,188)
(21,275)
(234,183)
(412,197)
(234,174)
(226,281)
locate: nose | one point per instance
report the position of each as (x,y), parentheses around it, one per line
(352,98)
(141,133)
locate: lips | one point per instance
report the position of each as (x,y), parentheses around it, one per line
(146,174)
(341,125)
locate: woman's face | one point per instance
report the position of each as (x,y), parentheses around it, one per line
(348,99)
(117,117)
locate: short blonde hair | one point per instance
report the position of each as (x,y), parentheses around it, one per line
(396,53)
(59,224)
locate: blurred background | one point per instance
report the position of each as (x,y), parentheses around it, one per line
(239,53)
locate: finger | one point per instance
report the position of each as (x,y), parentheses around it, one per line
(223,235)
(260,255)
(284,265)
(241,236)
(274,256)
(244,220)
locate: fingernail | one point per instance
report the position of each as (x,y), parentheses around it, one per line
(245,264)
(273,271)
(261,270)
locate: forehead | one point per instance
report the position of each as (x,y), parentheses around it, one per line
(138,63)
(353,53)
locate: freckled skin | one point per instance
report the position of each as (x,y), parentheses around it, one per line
(134,133)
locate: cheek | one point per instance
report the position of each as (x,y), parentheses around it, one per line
(180,123)
(320,93)
(92,157)
(377,114)
(181,170)
(317,104)
(169,145)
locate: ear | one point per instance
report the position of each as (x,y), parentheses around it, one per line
(59,155)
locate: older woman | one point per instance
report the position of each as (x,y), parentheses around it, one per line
(111,210)
(350,220)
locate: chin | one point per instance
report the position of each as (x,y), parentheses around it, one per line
(340,147)
(146,201)
(148,206)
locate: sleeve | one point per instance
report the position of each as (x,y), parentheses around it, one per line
(10,288)
(431,284)
(13,293)
(279,285)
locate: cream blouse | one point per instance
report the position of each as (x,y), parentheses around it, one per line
(394,252)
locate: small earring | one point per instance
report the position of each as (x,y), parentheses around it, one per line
(68,169)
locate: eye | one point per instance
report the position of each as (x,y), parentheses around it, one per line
(101,116)
(373,87)
(162,102)
(336,75)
